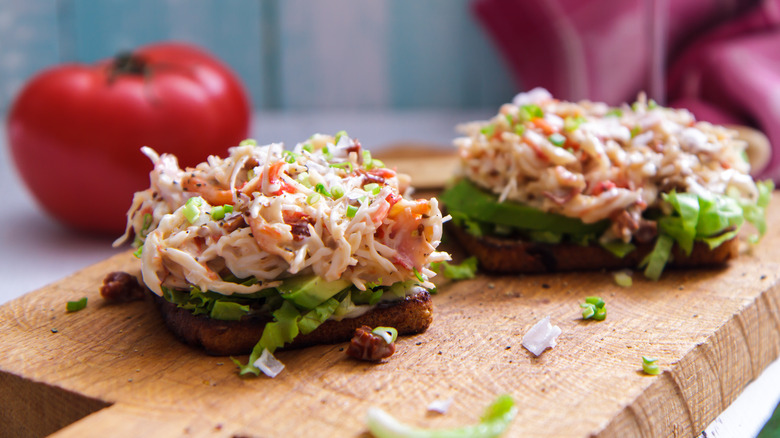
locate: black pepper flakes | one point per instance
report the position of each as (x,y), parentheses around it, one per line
(545,286)
(54,330)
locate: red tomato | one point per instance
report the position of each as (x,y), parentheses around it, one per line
(76,130)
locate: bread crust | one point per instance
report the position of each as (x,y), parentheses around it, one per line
(504,255)
(410,315)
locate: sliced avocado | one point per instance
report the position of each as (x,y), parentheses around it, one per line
(309,291)
(466,198)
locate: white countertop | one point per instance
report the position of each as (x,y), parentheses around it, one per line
(36,251)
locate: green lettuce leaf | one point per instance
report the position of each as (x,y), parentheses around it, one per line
(718,214)
(683,226)
(282,330)
(228,311)
(618,247)
(313,318)
(755,213)
(655,261)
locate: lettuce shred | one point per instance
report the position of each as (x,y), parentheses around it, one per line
(494,422)
(287,324)
(463,271)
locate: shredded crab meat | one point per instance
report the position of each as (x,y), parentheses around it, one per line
(589,161)
(319,209)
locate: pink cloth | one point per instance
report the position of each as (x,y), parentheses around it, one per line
(732,75)
(718,58)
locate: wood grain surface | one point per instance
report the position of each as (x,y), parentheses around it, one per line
(114,370)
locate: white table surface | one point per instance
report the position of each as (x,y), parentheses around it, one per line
(36,251)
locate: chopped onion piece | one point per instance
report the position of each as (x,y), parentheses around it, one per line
(441,406)
(268,364)
(541,336)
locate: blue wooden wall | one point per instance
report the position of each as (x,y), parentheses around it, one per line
(294,54)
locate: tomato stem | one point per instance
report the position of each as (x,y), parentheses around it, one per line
(129,63)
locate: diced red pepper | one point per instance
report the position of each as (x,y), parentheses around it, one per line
(603,186)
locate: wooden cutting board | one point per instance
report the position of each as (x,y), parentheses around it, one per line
(114,370)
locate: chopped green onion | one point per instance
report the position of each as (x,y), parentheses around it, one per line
(418,275)
(615,112)
(345,165)
(488,130)
(594,308)
(308,147)
(509,119)
(572,123)
(337,191)
(192,209)
(320,188)
(376,163)
(530,112)
(75,306)
(623,279)
(596,301)
(649,366)
(367,159)
(557,139)
(137,253)
(313,198)
(303,178)
(636,130)
(351,211)
(389,334)
(588,310)
(652,104)
(373,188)
(494,422)
(339,135)
(520,129)
(218,212)
(248,142)
(290,156)
(147,223)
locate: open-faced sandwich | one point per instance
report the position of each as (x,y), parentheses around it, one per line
(269,248)
(548,185)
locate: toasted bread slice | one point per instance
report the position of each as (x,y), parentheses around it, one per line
(410,315)
(516,256)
